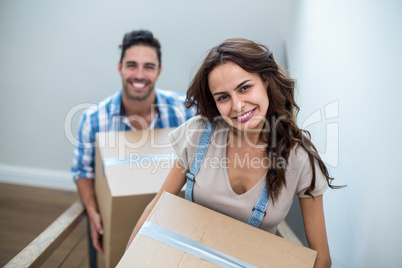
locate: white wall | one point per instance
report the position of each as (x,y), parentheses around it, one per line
(345,54)
(348,54)
(56,55)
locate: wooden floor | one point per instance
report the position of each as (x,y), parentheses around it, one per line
(26,211)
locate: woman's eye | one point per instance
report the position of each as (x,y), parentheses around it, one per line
(244,88)
(222,98)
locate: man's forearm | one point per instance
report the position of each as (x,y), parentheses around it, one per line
(86,190)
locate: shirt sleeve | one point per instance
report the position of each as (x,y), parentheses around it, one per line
(84,151)
(185,138)
(306,175)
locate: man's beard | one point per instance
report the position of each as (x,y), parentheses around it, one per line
(138,98)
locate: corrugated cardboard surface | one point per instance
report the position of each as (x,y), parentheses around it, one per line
(124,190)
(227,235)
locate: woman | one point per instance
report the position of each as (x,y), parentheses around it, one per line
(255,151)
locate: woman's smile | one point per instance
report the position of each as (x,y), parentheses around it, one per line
(241,97)
(245,116)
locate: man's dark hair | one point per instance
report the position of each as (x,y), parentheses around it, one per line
(141,37)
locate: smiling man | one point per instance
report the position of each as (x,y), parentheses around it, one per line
(138,105)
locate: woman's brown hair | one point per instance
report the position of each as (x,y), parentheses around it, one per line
(283,133)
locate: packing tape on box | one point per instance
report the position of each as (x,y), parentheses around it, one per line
(190,246)
(115,161)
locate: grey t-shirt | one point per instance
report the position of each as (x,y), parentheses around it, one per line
(212,188)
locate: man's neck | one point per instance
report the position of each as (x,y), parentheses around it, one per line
(137,110)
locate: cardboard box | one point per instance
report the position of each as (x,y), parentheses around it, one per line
(130,169)
(240,244)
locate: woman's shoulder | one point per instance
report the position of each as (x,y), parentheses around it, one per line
(191,125)
(301,171)
(190,130)
(195,126)
(298,156)
(197,121)
(185,138)
(298,161)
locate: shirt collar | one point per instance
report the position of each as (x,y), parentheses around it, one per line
(117,109)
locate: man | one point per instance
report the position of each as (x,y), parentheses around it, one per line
(138,105)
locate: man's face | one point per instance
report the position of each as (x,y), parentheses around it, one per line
(139,71)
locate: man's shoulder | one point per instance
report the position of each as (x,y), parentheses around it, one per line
(108,104)
(170,95)
(172,104)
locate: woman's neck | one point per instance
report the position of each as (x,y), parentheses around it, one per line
(249,138)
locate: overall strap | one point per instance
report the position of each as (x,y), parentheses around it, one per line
(259,210)
(199,156)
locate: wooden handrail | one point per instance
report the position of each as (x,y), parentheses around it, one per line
(286,232)
(39,250)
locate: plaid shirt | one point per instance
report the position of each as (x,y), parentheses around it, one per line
(108,115)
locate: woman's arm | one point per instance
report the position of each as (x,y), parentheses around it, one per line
(314,226)
(174,182)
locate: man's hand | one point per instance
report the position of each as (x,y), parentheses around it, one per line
(86,190)
(95,224)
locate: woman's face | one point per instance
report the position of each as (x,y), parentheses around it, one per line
(241,97)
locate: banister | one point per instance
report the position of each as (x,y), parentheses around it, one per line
(39,250)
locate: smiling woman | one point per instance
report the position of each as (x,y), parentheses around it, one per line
(247,116)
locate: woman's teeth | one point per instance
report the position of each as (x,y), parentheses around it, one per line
(244,115)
